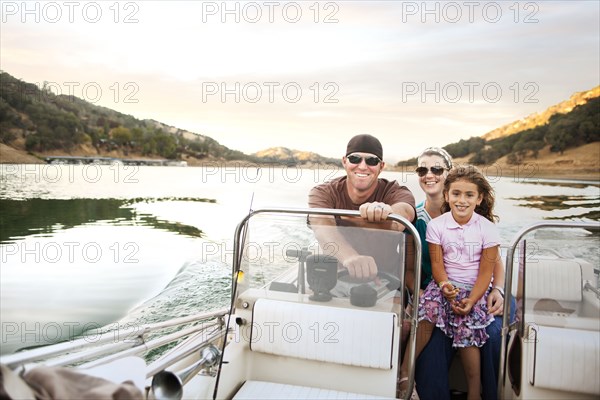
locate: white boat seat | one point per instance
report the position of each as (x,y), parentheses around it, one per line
(324,333)
(252,390)
(554,279)
(566,359)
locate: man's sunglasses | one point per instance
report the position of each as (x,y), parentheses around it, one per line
(437,171)
(371,161)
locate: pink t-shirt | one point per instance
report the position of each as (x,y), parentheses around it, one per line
(462,244)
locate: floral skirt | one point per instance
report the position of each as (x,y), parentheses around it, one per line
(465,330)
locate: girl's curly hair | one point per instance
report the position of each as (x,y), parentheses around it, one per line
(471,174)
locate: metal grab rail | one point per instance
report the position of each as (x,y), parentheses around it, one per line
(110,341)
(508,282)
(153,344)
(237,257)
(161,365)
(588,286)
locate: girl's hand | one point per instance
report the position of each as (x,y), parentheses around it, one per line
(463,307)
(449,291)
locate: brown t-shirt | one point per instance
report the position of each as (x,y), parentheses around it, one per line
(380,244)
(334,194)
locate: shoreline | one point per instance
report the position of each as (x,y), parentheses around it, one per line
(539,176)
(578,165)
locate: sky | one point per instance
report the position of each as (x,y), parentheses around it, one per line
(309,75)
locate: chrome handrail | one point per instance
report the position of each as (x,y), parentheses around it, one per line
(110,341)
(149,345)
(161,365)
(588,286)
(508,282)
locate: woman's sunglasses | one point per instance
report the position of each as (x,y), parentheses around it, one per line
(437,171)
(370,161)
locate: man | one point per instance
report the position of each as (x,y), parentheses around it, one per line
(361,189)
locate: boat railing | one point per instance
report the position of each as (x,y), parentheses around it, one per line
(105,346)
(509,299)
(242,227)
(591,288)
(172,358)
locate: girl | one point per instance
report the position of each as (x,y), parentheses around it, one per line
(463,247)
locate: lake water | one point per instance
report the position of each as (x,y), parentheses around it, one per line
(82,246)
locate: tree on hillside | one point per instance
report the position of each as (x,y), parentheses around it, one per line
(485,156)
(199,146)
(95,134)
(526,144)
(560,134)
(166,145)
(121,135)
(466,147)
(137,139)
(8,119)
(587,132)
(409,162)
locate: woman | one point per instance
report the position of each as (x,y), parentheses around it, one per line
(431,374)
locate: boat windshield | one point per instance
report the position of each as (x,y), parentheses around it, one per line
(299,257)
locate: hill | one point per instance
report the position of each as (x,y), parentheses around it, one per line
(546,140)
(34,122)
(577,163)
(542,118)
(288,156)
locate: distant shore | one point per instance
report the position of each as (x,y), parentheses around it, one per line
(578,164)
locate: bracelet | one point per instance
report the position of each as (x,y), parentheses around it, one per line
(442,284)
(499,289)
